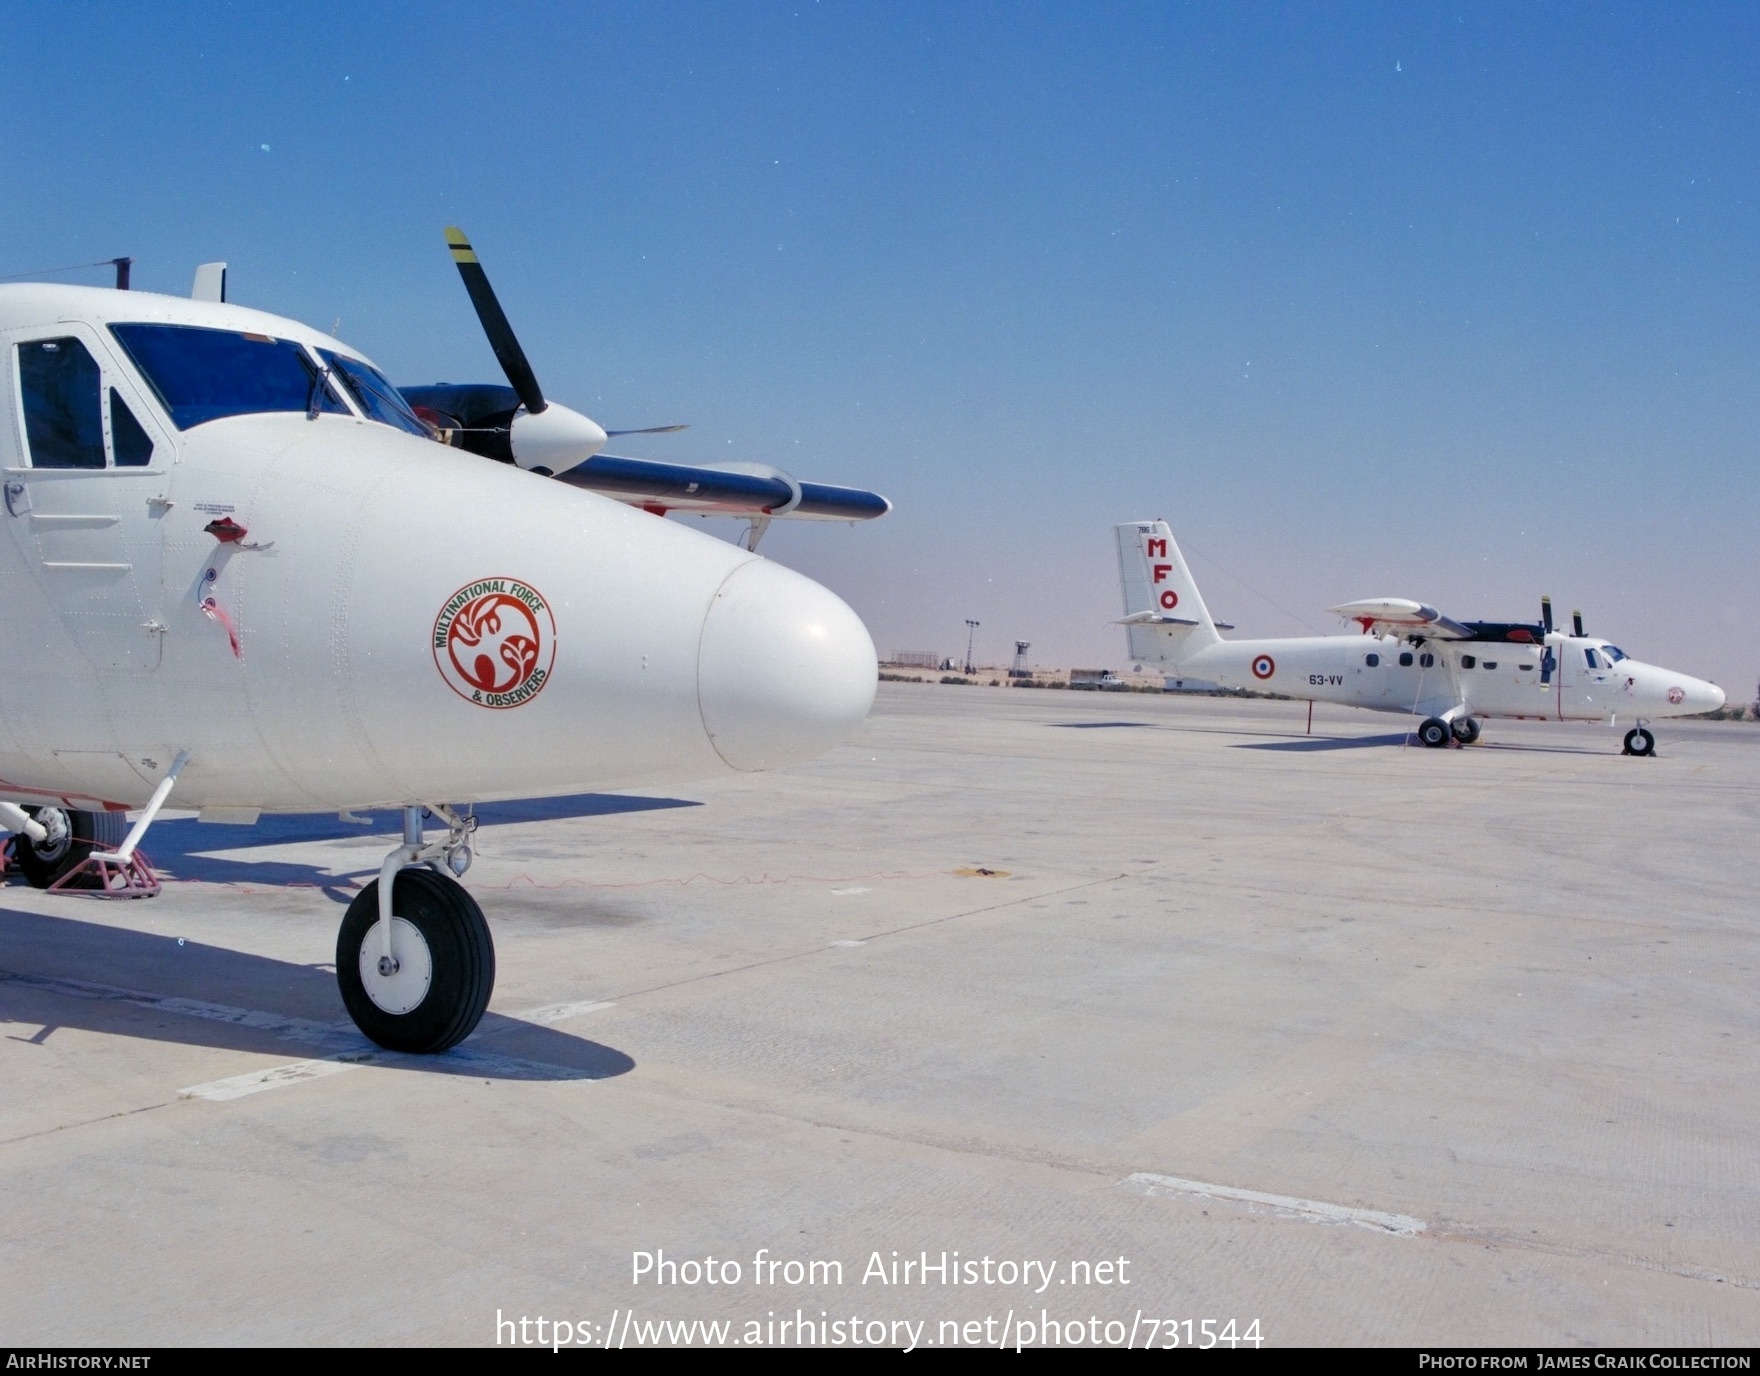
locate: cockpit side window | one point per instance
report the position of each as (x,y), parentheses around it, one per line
(1614,653)
(1592,659)
(60,383)
(376,397)
(133,446)
(203,374)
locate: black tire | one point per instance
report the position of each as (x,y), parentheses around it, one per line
(1466,730)
(73,836)
(458,946)
(1640,742)
(1434,733)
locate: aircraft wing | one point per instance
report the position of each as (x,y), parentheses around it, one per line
(716,490)
(1401,616)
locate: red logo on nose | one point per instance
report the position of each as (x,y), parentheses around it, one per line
(1677,695)
(495,642)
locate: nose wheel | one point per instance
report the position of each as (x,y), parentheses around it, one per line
(1466,730)
(1640,741)
(414,958)
(431,992)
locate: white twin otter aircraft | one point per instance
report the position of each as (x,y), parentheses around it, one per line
(1409,659)
(240,565)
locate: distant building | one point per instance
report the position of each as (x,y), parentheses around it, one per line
(915,659)
(1190,685)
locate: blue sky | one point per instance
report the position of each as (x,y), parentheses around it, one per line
(1455,302)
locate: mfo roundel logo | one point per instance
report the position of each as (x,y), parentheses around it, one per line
(495,641)
(1264,666)
(1677,695)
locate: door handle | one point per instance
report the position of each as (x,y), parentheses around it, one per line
(18,498)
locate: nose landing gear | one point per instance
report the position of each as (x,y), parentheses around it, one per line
(1640,741)
(414,958)
(1466,730)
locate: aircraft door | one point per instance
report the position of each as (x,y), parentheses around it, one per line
(84,493)
(1587,687)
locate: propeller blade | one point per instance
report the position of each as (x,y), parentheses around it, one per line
(651,430)
(508,353)
(1577,624)
(1546,614)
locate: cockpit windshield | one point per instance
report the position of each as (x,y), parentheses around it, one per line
(1614,653)
(203,374)
(376,397)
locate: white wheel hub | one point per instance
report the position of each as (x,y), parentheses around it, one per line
(406,986)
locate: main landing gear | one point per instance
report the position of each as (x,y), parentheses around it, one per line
(414,958)
(1436,733)
(1640,741)
(70,836)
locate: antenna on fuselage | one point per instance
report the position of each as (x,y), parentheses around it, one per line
(210,283)
(122,266)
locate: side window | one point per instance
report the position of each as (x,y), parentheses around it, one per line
(59,383)
(1491,664)
(1426,659)
(1467,661)
(1372,660)
(132,444)
(1405,659)
(1593,660)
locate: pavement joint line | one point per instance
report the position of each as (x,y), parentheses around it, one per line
(890,931)
(1172,1186)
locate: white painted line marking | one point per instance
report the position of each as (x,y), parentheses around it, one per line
(561,1012)
(237,1086)
(845,893)
(1169,1186)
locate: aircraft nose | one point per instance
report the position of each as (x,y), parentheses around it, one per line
(784,671)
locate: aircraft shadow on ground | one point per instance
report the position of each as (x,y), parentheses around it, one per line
(183,848)
(1108,725)
(56,972)
(1302,743)
(1329,742)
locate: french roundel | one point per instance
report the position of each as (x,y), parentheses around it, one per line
(1264,666)
(1169,599)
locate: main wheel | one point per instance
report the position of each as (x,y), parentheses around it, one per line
(1434,732)
(1466,730)
(73,835)
(1640,742)
(444,964)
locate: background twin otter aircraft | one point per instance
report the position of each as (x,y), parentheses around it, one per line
(239,566)
(1409,659)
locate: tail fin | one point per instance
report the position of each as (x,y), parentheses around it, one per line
(1164,614)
